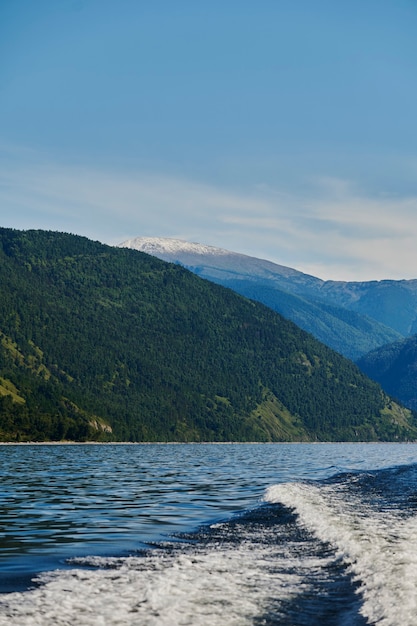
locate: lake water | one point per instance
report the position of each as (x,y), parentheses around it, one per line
(206,534)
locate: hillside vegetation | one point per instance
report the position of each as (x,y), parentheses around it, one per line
(394,366)
(112,344)
(350,333)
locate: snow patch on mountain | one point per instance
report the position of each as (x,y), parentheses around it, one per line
(159,245)
(213,263)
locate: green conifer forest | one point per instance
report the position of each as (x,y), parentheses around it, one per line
(110,344)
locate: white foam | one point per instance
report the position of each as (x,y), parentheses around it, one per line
(379,547)
(205,587)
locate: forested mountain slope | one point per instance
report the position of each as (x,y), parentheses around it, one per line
(352,318)
(109,343)
(394,366)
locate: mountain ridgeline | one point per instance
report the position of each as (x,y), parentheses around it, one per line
(350,317)
(103,343)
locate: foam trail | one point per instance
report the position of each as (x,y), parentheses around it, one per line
(229,585)
(379,547)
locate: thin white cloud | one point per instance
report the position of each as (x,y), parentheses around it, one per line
(333,232)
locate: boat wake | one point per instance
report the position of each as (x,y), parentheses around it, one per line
(336,552)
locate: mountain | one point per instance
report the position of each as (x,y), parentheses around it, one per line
(352,318)
(107,343)
(394,366)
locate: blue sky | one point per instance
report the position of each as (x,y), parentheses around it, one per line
(283,129)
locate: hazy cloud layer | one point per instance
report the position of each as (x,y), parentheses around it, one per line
(333,231)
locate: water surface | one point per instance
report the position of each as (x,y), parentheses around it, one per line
(208,534)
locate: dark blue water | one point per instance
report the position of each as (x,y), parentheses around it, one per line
(208,534)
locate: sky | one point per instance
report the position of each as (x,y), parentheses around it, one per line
(282,129)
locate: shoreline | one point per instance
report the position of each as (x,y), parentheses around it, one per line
(194,443)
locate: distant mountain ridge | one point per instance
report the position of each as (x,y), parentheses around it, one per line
(225,261)
(350,317)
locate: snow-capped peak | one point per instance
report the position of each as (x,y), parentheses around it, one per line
(165,245)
